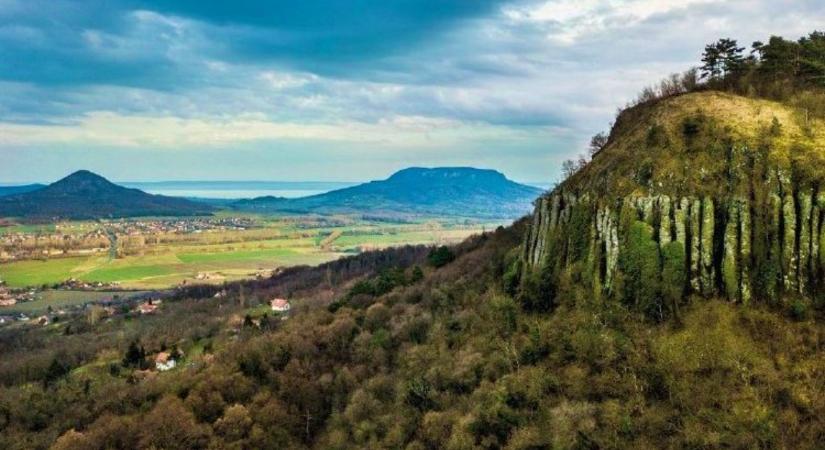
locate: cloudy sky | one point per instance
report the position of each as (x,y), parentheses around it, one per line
(339,89)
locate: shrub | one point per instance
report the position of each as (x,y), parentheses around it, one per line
(645,173)
(505,314)
(799,309)
(639,263)
(538,290)
(673,275)
(170,425)
(418,394)
(440,256)
(417,274)
(511,278)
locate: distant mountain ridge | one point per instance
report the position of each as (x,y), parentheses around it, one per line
(85,195)
(447,191)
(22,189)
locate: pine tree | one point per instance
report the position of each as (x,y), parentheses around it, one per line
(134,355)
(712,62)
(722,58)
(732,57)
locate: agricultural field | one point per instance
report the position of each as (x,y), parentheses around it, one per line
(146,260)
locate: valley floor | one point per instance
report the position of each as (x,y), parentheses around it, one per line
(155,260)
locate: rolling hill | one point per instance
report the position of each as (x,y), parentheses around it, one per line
(446,191)
(12,190)
(85,195)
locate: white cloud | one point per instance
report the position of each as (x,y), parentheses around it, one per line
(285,80)
(573,18)
(108,129)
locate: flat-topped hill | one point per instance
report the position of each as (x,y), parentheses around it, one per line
(445,191)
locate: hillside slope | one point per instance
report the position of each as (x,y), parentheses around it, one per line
(723,192)
(375,356)
(85,195)
(447,191)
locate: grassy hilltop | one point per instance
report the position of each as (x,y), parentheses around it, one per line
(699,143)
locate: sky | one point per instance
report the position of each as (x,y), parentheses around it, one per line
(339,90)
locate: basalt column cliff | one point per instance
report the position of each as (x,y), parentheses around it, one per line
(721,194)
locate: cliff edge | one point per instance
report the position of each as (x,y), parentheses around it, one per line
(705,193)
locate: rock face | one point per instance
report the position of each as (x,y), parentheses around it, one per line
(723,194)
(716,236)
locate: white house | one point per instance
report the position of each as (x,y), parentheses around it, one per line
(164,362)
(280,305)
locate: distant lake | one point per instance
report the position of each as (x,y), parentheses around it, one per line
(237,189)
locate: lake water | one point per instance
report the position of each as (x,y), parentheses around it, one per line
(237,189)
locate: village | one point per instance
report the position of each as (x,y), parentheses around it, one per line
(138,304)
(10,297)
(38,244)
(146,365)
(180,226)
(85,239)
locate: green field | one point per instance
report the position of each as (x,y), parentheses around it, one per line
(384,239)
(165,265)
(156,271)
(35,273)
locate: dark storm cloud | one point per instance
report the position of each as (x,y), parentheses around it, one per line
(61,42)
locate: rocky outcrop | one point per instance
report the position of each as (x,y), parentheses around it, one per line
(716,235)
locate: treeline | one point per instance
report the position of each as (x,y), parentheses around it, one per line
(779,69)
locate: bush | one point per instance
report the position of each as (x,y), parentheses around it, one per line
(170,425)
(418,394)
(511,278)
(417,274)
(537,292)
(639,264)
(799,309)
(505,314)
(440,256)
(673,275)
